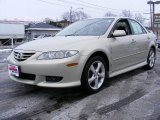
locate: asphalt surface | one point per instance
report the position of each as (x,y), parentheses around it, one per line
(132,96)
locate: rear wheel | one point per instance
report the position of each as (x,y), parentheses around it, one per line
(151,59)
(94,74)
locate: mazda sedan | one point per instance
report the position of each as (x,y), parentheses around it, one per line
(86,54)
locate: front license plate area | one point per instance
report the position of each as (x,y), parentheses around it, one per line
(13,70)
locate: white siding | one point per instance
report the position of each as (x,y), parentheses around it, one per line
(11,30)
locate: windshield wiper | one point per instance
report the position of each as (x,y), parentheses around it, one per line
(70,35)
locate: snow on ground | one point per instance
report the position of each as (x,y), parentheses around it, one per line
(4,54)
(5,50)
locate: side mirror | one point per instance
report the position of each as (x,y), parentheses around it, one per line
(119,33)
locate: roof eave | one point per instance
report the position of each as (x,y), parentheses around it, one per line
(43,29)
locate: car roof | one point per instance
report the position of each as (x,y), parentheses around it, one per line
(115,18)
(110,17)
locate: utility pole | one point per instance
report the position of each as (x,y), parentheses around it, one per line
(153,14)
(151,17)
(152,11)
(70,14)
(152,5)
(12,43)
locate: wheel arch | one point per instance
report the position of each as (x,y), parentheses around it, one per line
(101,54)
(153,47)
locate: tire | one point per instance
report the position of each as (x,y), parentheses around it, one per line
(94,75)
(151,59)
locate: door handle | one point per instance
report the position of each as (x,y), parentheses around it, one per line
(133,41)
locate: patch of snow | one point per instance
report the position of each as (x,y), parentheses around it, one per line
(5,50)
(3,60)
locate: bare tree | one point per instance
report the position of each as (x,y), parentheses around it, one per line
(75,16)
(47,20)
(80,15)
(139,17)
(109,14)
(66,16)
(126,13)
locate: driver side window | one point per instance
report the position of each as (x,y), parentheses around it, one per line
(123,25)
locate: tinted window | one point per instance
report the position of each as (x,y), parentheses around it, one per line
(137,28)
(123,25)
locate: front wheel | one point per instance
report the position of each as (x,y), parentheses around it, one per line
(151,59)
(94,75)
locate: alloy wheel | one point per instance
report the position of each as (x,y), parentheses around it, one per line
(151,58)
(96,75)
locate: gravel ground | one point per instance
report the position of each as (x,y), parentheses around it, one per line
(132,96)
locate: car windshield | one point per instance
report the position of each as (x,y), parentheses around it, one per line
(91,27)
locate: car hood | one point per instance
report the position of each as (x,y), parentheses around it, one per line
(56,43)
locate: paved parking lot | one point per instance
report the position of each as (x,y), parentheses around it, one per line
(133,95)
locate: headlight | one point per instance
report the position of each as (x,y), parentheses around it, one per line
(57,54)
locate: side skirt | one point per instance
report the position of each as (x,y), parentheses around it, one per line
(127,69)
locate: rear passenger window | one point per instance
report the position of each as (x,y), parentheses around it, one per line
(137,28)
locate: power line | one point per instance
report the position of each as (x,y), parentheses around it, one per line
(79,4)
(97,7)
(103,6)
(89,5)
(52,3)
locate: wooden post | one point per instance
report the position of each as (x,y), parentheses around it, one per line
(12,42)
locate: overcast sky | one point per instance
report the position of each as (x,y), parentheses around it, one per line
(37,10)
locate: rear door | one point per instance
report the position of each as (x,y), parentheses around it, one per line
(140,41)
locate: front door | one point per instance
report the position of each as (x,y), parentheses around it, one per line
(121,47)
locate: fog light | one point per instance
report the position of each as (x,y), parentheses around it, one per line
(53,78)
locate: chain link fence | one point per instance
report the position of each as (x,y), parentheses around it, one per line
(6,49)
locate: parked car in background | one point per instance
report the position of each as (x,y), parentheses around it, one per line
(85,53)
(150,31)
(158,43)
(41,36)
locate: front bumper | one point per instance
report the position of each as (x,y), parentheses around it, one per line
(42,68)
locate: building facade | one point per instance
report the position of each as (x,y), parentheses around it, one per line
(40,30)
(11,30)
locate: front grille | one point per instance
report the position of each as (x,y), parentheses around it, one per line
(22,56)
